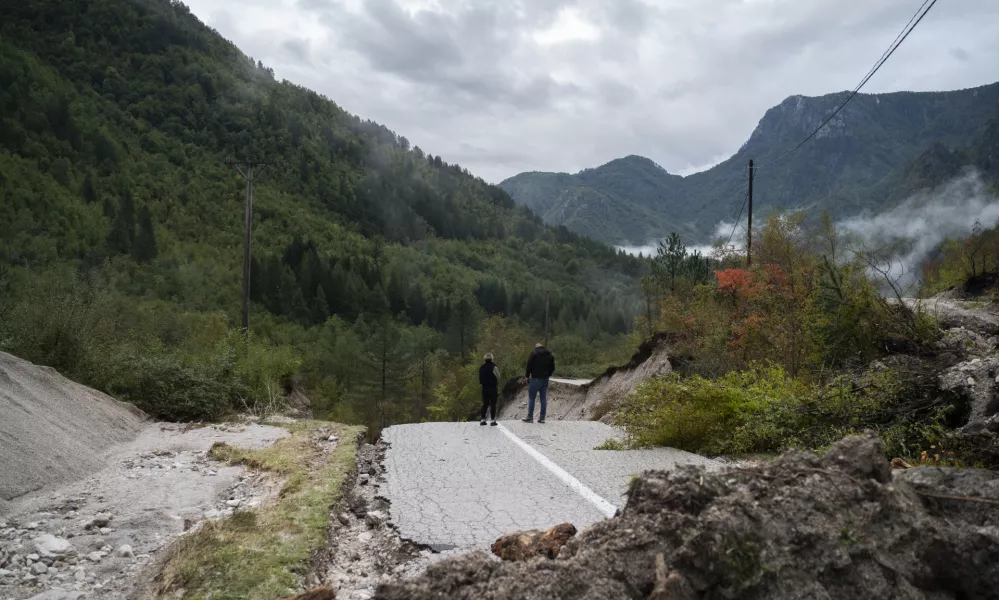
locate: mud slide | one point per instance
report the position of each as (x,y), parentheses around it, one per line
(597,399)
(53,430)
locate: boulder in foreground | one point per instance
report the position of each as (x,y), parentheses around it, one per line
(530,544)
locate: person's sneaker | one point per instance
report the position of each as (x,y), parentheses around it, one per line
(482,423)
(541,420)
(494,424)
(528,420)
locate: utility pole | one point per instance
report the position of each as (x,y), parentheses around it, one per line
(247,174)
(546,317)
(749,227)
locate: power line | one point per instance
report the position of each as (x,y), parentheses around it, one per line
(884,58)
(736,224)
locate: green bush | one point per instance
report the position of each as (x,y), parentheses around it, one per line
(169,387)
(764,410)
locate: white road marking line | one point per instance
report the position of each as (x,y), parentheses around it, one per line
(602,505)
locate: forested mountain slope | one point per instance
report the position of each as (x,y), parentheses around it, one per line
(370,257)
(855,163)
(621,200)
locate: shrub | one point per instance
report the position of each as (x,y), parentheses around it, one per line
(169,386)
(765,410)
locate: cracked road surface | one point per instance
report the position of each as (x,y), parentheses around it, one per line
(459,486)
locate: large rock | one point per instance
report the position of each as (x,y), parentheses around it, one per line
(317,594)
(835,527)
(59,595)
(531,544)
(968,495)
(976,381)
(50,546)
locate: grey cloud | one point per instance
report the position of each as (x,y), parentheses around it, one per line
(299,49)
(394,41)
(616,94)
(681,82)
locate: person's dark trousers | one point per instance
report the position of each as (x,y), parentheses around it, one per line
(537,386)
(489,396)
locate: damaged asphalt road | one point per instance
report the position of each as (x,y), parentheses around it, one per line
(459,486)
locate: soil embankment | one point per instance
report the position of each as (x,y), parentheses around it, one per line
(53,430)
(597,399)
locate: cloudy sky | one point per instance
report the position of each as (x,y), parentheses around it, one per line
(504,86)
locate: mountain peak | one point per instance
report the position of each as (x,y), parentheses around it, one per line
(844,167)
(630,161)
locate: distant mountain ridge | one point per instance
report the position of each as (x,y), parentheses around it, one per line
(857,162)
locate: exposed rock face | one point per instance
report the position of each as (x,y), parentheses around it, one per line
(976,380)
(803,526)
(531,544)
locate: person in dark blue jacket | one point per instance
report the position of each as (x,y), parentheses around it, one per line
(540,366)
(489,376)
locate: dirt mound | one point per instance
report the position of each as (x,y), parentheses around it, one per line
(53,430)
(802,526)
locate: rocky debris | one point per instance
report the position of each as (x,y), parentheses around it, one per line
(376,518)
(99,522)
(970,493)
(363,551)
(976,382)
(963,342)
(956,314)
(64,543)
(532,544)
(325,593)
(803,526)
(59,595)
(50,546)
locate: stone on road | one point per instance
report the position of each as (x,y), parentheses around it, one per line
(462,486)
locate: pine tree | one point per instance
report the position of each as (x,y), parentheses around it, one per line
(89,189)
(320,307)
(396,292)
(416,306)
(122,234)
(144,249)
(387,360)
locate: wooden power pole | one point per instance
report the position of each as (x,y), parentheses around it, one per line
(546,318)
(749,226)
(245,168)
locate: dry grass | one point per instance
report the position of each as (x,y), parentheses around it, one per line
(265,554)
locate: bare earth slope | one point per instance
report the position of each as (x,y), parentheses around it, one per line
(572,400)
(53,430)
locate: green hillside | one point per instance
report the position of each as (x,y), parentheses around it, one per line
(379,269)
(857,162)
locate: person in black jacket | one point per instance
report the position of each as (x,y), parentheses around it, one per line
(540,366)
(489,375)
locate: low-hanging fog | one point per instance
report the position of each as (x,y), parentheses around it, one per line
(912,230)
